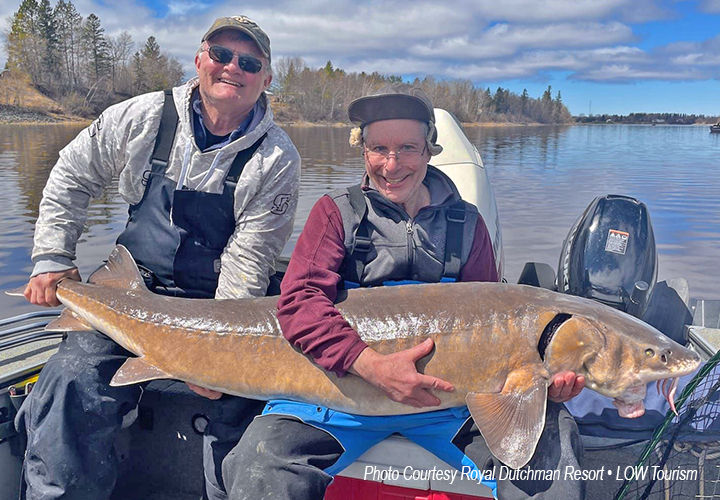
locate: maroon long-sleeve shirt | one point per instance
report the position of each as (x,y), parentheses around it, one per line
(306,310)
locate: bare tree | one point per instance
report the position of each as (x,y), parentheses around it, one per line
(120,50)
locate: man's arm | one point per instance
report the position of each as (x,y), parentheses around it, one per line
(480,265)
(311,322)
(397,376)
(84,168)
(119,141)
(263,227)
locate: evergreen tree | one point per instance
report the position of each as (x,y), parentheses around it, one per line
(524,102)
(140,83)
(48,32)
(151,50)
(547,95)
(25,45)
(69,31)
(96,46)
(154,66)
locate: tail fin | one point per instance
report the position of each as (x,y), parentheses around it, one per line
(120,271)
(17,292)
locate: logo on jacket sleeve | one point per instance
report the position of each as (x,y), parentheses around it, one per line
(280,204)
(96,126)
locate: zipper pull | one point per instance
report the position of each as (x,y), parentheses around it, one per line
(408,227)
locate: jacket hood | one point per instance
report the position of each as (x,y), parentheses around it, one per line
(183,97)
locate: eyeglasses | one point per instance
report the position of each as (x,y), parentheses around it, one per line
(380,155)
(223,55)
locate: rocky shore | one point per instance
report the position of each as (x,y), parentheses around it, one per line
(15,114)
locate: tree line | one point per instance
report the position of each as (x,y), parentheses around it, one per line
(323,95)
(649,118)
(73,60)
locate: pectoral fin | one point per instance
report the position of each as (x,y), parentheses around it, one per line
(511,421)
(68,321)
(136,370)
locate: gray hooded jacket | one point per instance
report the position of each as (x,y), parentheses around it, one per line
(119,144)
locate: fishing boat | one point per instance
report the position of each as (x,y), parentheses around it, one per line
(160,446)
(715,129)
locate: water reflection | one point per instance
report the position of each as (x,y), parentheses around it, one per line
(543,178)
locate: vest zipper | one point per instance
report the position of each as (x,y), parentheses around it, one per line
(411,254)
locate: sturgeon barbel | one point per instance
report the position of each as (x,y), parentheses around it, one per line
(498,344)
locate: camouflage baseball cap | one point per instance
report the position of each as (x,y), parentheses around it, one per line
(393,101)
(244,24)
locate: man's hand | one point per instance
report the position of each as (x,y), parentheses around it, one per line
(41,288)
(208,393)
(397,376)
(564,386)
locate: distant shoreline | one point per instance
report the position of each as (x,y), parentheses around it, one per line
(14,115)
(19,115)
(480,124)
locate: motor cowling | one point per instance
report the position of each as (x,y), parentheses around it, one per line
(610,255)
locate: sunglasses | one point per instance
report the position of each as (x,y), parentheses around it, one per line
(223,55)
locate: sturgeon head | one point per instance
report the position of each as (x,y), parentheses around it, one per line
(618,355)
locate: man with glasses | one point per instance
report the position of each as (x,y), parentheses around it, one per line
(212,185)
(395,226)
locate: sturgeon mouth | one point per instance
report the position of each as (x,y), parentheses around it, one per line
(630,404)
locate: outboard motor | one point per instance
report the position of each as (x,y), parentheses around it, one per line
(610,255)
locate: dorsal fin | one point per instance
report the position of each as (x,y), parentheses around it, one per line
(120,271)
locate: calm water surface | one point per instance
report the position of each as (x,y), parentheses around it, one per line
(543,178)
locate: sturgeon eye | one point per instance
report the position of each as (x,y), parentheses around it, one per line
(649,353)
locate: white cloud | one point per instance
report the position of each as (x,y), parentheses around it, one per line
(625,73)
(182,8)
(534,11)
(710,6)
(483,40)
(395,66)
(505,39)
(527,66)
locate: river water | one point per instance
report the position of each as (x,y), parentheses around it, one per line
(543,178)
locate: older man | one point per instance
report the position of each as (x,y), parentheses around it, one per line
(197,228)
(397,225)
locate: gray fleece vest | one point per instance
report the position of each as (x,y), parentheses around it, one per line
(388,245)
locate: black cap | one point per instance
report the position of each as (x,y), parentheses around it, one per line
(392,102)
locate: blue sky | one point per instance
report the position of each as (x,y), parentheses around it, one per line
(622,55)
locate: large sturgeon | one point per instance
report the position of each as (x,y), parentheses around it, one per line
(498,344)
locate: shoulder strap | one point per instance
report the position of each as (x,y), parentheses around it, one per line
(166,134)
(360,241)
(359,205)
(454,234)
(240,160)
